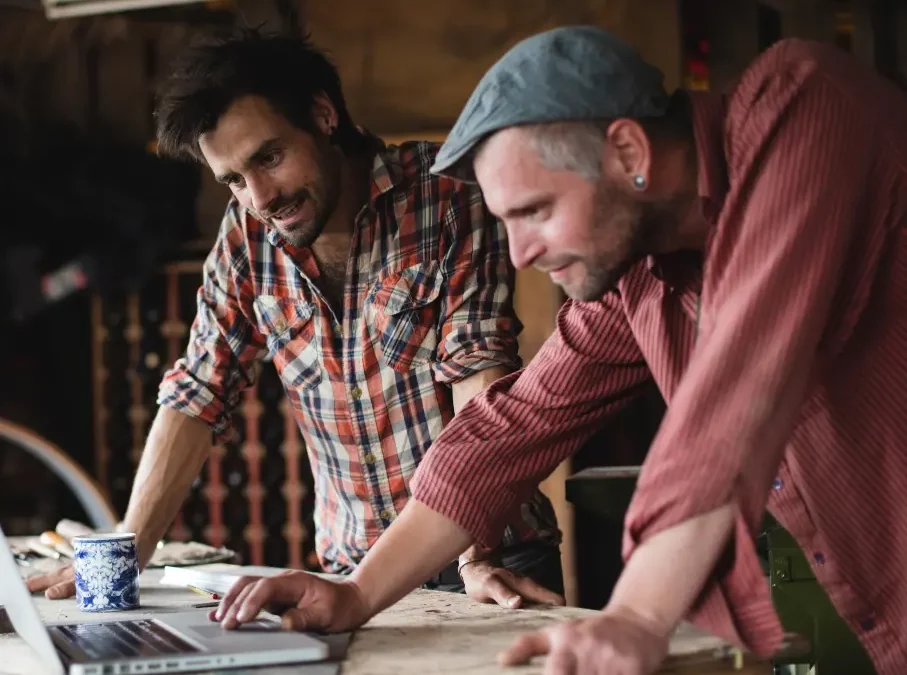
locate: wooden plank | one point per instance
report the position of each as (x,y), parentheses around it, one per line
(428,631)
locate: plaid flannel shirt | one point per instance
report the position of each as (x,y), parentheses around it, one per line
(427,303)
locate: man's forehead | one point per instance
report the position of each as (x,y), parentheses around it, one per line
(508,159)
(239,134)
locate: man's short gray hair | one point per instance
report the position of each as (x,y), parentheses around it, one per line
(570,146)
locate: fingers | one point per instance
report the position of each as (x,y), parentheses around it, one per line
(532,591)
(561,663)
(39,583)
(499,591)
(45,582)
(230,598)
(230,618)
(281,592)
(67,589)
(511,590)
(524,648)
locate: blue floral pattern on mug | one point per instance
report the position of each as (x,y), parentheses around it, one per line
(107,572)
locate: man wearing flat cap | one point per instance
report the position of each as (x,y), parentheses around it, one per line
(746,251)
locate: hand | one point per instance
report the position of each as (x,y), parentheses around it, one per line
(56,585)
(306,602)
(486,583)
(616,643)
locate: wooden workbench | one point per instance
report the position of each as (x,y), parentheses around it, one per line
(426,632)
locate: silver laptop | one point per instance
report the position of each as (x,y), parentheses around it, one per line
(172,643)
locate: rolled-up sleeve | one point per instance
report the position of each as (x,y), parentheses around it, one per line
(223,343)
(798,159)
(507,439)
(478,327)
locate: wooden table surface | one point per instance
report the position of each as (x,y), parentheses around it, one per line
(426,632)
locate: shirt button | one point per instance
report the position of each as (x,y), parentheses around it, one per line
(369,458)
(356,393)
(777,484)
(386,515)
(819,558)
(868,624)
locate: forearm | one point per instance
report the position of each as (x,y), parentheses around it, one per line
(416,547)
(175,451)
(464,390)
(665,575)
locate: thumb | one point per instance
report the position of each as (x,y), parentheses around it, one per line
(501,592)
(533,591)
(524,648)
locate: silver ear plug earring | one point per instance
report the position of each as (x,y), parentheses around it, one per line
(639,182)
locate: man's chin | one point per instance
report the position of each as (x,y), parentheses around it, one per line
(299,234)
(581,294)
(590,289)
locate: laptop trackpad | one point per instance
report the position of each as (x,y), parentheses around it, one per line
(257,636)
(212,631)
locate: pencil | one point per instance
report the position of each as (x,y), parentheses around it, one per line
(202,591)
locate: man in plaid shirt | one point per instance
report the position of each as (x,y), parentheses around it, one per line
(382,293)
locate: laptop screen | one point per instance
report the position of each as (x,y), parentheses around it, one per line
(22,612)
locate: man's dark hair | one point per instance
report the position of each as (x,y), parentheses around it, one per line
(212,74)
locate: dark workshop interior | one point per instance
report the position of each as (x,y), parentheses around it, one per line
(103,248)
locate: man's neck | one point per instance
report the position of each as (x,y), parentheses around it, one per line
(687,228)
(332,246)
(355,185)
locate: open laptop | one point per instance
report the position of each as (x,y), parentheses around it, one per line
(181,642)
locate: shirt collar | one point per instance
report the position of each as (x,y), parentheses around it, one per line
(387,171)
(708,113)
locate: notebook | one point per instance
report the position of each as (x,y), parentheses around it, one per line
(217,577)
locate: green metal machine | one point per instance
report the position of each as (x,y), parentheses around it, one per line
(802,605)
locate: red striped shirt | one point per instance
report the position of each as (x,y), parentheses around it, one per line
(780,350)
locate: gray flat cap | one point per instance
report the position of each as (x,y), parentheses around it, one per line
(564,74)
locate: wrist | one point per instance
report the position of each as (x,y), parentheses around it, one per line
(364,593)
(476,553)
(358,606)
(650,620)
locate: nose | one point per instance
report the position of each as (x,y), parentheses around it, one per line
(261,193)
(525,246)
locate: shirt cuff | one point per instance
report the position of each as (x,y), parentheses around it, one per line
(476,347)
(182,392)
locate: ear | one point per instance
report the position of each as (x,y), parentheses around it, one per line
(631,154)
(324,114)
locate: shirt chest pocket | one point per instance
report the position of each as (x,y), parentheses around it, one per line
(289,329)
(402,312)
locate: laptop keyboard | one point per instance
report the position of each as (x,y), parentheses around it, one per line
(104,641)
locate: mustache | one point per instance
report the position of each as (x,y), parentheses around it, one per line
(280,202)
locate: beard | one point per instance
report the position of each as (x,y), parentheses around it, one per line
(304,232)
(320,198)
(625,230)
(621,231)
